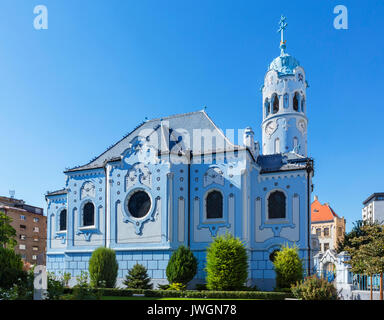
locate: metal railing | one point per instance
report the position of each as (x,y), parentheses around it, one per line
(364,282)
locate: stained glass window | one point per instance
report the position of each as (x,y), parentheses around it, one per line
(276,205)
(63,220)
(214,203)
(139,204)
(296,102)
(89,214)
(275,104)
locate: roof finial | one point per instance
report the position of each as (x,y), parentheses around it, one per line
(282,26)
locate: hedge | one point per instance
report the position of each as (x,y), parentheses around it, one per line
(208,294)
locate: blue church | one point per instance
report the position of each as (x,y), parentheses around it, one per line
(180,181)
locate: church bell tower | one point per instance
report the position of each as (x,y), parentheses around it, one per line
(284,126)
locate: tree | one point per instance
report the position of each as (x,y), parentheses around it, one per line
(288,267)
(137,278)
(367,253)
(356,231)
(7,232)
(182,266)
(103,268)
(227,263)
(11,268)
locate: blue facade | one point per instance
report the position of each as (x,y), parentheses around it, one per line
(151,191)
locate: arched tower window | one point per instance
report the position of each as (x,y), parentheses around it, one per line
(267,107)
(88,214)
(275,101)
(214,205)
(276,205)
(286,101)
(296,102)
(63,220)
(277,145)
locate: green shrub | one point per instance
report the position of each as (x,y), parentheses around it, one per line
(227,264)
(137,278)
(55,286)
(66,277)
(201,286)
(313,288)
(103,268)
(176,286)
(288,267)
(187,293)
(182,266)
(82,290)
(217,294)
(11,268)
(162,286)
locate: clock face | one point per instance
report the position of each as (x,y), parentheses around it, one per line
(302,126)
(270,127)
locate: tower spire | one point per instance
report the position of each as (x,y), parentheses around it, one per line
(282,26)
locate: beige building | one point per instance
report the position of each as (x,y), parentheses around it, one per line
(31,229)
(326,226)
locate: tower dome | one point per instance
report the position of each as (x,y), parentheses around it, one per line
(284,64)
(284,126)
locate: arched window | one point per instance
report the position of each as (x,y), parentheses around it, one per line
(275,101)
(276,205)
(286,101)
(214,205)
(272,255)
(302,104)
(63,220)
(277,145)
(296,98)
(88,214)
(267,106)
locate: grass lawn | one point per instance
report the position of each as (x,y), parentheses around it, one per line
(155,298)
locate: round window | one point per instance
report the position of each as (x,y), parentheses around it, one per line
(273,254)
(139,204)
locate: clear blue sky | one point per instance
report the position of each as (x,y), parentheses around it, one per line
(69,92)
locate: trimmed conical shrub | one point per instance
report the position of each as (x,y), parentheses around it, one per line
(103,268)
(227,264)
(182,266)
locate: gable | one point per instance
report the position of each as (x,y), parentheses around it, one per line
(194,131)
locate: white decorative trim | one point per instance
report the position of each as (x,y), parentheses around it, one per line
(87,190)
(213,175)
(138,173)
(181,219)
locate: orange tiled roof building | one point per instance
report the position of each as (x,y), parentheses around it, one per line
(326,225)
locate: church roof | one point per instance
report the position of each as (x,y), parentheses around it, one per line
(186,122)
(281,162)
(322,212)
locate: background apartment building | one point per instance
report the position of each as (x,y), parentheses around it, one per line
(373,210)
(30,225)
(326,226)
